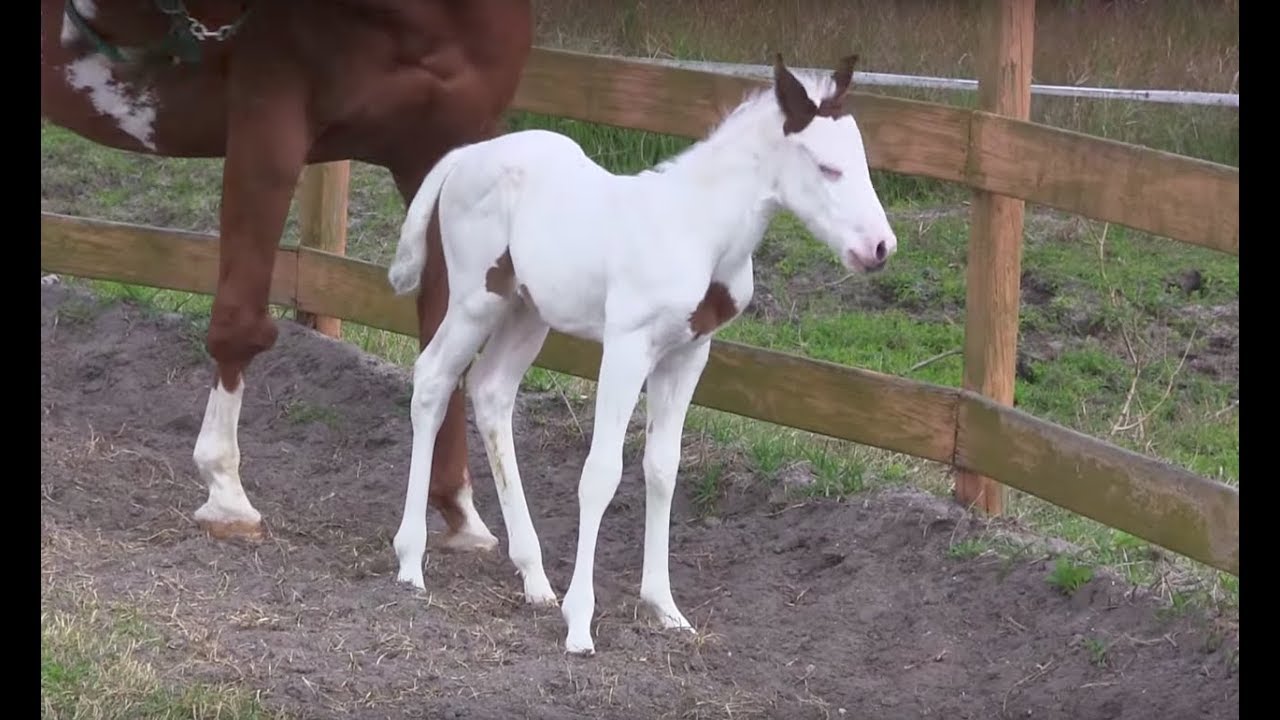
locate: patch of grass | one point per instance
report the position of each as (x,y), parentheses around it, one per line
(96,662)
(767,454)
(707,487)
(835,475)
(966,549)
(303,413)
(1068,576)
(1097,649)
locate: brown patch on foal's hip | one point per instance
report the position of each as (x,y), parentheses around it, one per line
(501,278)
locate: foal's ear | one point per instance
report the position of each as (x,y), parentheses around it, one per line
(797,109)
(842,76)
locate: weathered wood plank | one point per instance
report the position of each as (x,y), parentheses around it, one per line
(1178,197)
(1195,201)
(834,400)
(322,220)
(1162,503)
(994,266)
(353,290)
(155,257)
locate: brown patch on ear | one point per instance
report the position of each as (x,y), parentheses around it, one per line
(833,105)
(717,308)
(796,106)
(501,278)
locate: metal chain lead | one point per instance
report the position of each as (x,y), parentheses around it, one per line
(198,29)
(204,33)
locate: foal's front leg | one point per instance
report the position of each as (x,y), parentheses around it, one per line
(670,389)
(625,363)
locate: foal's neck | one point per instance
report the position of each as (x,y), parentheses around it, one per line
(728,181)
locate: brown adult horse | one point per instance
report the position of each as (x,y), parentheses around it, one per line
(271,85)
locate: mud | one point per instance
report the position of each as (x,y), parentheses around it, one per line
(805,608)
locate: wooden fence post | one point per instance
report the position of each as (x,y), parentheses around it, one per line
(322,217)
(995,241)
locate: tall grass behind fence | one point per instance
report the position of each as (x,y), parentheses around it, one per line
(1173,44)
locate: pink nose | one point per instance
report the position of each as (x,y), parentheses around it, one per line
(871,263)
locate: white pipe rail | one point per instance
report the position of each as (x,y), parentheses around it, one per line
(1172,97)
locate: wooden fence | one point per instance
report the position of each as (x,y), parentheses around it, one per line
(1006,160)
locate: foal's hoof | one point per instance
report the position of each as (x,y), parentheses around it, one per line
(579,649)
(413,578)
(232,529)
(541,596)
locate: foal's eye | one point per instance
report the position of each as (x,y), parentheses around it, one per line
(829,172)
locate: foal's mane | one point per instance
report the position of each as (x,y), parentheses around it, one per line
(754,114)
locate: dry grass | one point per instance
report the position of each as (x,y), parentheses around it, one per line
(1177,44)
(1174,44)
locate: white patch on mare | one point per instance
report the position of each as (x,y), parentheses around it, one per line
(70,33)
(133,111)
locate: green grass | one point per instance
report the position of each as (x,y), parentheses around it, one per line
(98,662)
(1068,576)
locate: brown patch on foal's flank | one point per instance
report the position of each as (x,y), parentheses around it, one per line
(501,278)
(717,308)
(501,281)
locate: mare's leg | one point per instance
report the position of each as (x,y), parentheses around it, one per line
(468,321)
(668,393)
(493,382)
(625,363)
(450,486)
(266,148)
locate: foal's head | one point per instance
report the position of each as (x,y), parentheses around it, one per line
(822,174)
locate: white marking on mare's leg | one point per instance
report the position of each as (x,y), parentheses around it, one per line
(435,375)
(133,111)
(474,535)
(217,458)
(71,33)
(623,367)
(669,391)
(492,384)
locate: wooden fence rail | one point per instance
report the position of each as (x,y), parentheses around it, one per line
(1166,505)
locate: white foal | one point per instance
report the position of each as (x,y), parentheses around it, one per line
(536,235)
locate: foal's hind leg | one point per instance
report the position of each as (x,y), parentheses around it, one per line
(492,384)
(436,372)
(668,393)
(450,490)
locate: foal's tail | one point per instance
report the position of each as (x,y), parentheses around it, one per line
(411,252)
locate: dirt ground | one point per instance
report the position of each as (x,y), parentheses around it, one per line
(813,609)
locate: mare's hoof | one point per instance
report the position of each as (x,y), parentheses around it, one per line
(468,542)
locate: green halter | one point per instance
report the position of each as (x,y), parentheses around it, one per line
(181,44)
